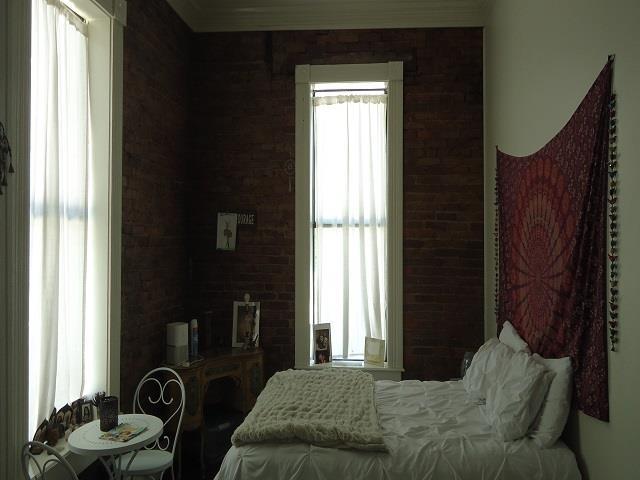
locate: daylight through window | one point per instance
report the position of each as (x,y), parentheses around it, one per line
(349,204)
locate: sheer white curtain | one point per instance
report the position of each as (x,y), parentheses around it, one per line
(350,215)
(58,223)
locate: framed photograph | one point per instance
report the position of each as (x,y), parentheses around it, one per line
(374,351)
(227,227)
(64,416)
(322,343)
(76,411)
(40,436)
(246,324)
(87,412)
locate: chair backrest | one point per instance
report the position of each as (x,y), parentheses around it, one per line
(43,462)
(155,395)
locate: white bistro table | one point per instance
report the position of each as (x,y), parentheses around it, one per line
(86,441)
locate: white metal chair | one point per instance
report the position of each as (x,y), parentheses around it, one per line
(43,462)
(157,398)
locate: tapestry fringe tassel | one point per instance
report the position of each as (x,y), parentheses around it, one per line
(613,224)
(496,247)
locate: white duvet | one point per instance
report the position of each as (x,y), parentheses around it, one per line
(432,431)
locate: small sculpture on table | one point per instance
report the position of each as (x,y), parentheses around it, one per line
(246,318)
(250,341)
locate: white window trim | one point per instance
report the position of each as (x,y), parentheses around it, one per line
(14,266)
(306,75)
(106,29)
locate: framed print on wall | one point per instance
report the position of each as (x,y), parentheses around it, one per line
(227,228)
(322,343)
(246,324)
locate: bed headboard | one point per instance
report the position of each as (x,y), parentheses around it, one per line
(552,246)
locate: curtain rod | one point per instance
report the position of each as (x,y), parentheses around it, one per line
(71,10)
(384,90)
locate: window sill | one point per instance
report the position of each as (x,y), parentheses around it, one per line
(78,462)
(379,372)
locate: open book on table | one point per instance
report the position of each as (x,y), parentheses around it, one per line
(123,432)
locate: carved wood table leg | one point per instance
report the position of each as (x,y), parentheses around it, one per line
(203,472)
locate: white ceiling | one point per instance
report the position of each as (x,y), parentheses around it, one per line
(261,15)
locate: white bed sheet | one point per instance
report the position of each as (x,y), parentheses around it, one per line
(432,431)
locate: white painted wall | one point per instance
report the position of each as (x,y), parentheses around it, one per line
(4,434)
(541,58)
(14,108)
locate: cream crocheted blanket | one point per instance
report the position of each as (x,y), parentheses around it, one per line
(330,408)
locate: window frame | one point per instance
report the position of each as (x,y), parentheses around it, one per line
(110,17)
(105,32)
(305,77)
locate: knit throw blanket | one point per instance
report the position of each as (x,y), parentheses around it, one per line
(330,408)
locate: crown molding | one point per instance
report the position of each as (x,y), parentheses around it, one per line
(263,15)
(188,10)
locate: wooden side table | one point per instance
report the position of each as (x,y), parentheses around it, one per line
(245,367)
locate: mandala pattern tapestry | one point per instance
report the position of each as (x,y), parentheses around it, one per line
(552,246)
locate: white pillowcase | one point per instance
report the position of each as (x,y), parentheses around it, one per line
(550,422)
(487,364)
(515,399)
(509,336)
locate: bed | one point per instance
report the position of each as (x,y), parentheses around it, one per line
(432,430)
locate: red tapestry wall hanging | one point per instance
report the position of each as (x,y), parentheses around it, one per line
(551,235)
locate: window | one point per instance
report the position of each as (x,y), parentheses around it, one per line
(72,186)
(349,184)
(349,208)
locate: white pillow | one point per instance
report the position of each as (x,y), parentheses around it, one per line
(515,399)
(509,336)
(486,366)
(550,422)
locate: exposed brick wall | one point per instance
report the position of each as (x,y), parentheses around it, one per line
(243,112)
(236,92)
(155,160)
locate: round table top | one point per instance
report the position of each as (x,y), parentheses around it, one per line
(86,439)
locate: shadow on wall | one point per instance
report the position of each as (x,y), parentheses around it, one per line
(571,436)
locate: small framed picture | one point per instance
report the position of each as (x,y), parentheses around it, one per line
(64,416)
(227,227)
(40,436)
(76,411)
(246,324)
(87,412)
(374,351)
(322,343)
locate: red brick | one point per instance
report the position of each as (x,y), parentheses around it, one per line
(209,125)
(443,174)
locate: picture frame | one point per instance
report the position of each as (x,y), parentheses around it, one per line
(40,436)
(227,230)
(87,412)
(322,344)
(374,351)
(64,416)
(246,324)
(76,411)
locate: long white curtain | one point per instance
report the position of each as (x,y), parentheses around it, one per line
(350,215)
(58,228)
